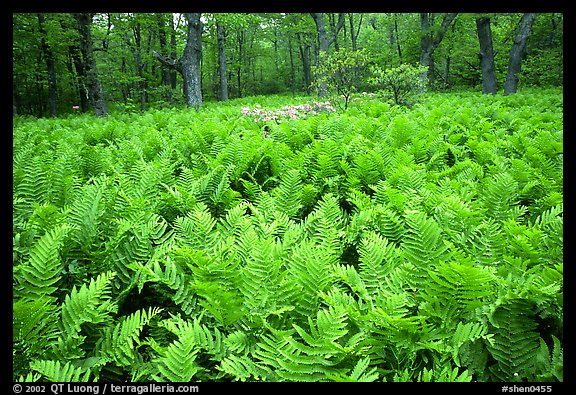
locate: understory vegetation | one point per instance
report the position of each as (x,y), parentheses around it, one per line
(380,243)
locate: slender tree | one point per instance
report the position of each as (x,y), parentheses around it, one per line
(324,41)
(221,33)
(515,62)
(489,83)
(92,82)
(50,66)
(430,41)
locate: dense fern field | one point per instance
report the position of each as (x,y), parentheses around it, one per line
(382,243)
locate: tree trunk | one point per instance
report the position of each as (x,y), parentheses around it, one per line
(305,56)
(292,71)
(50,66)
(137,31)
(322,46)
(222,62)
(95,92)
(429,42)
(323,41)
(489,84)
(166,73)
(515,63)
(191,61)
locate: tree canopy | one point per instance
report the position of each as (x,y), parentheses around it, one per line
(65,62)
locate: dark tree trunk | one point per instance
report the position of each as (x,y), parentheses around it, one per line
(92,81)
(191,61)
(222,62)
(489,84)
(173,51)
(137,31)
(292,71)
(305,57)
(166,78)
(80,78)
(515,63)
(50,66)
(322,46)
(189,65)
(429,42)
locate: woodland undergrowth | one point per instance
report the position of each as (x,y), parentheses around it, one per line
(382,243)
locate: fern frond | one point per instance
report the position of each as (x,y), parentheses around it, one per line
(458,286)
(468,332)
(500,194)
(119,343)
(86,211)
(30,321)
(550,364)
(377,259)
(178,362)
(241,368)
(311,269)
(289,193)
(166,271)
(358,373)
(196,228)
(422,245)
(515,343)
(89,304)
(56,372)
(42,271)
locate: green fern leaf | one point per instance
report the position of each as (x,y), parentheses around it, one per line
(119,343)
(89,304)
(241,368)
(377,259)
(42,271)
(515,343)
(422,245)
(56,372)
(289,193)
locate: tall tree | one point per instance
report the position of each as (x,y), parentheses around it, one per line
(324,41)
(221,37)
(515,62)
(50,66)
(430,38)
(189,65)
(489,83)
(92,82)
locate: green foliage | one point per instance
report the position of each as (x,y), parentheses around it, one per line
(402,83)
(340,71)
(383,244)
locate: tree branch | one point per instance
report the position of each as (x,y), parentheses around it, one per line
(171,63)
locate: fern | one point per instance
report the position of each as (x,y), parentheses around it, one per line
(422,245)
(119,343)
(500,195)
(515,343)
(89,304)
(166,272)
(377,259)
(318,353)
(86,211)
(60,372)
(457,289)
(177,362)
(40,275)
(289,193)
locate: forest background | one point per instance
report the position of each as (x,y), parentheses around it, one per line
(64,62)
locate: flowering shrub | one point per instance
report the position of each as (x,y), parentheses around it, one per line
(301,111)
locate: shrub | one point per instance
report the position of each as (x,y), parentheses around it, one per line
(401,83)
